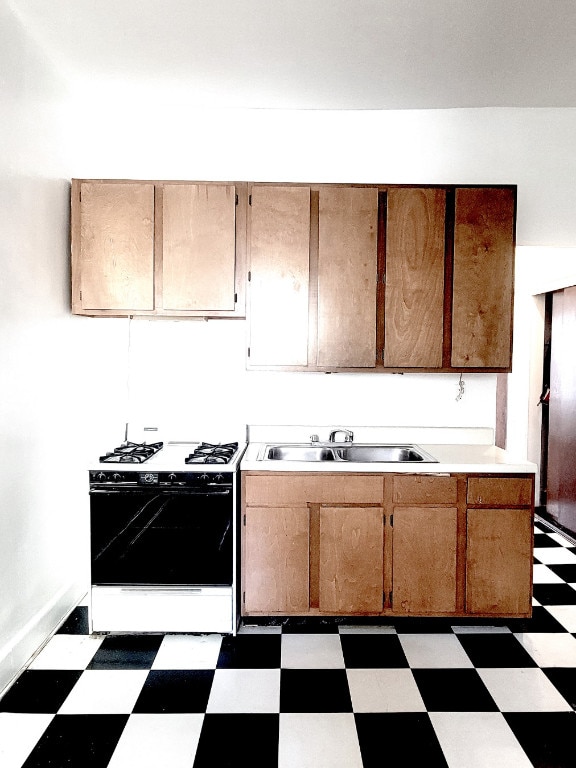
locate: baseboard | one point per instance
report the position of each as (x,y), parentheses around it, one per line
(21,648)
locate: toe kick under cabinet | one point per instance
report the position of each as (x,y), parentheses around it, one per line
(374,544)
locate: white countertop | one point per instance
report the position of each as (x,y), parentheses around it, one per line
(465,450)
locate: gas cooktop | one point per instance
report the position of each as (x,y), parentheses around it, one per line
(173,456)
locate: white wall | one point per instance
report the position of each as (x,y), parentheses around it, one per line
(47,363)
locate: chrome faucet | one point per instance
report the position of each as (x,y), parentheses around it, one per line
(348,435)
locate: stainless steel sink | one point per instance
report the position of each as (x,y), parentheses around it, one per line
(353,453)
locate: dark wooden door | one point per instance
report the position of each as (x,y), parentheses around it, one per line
(561,491)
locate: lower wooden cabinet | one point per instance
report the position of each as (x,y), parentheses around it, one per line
(388,544)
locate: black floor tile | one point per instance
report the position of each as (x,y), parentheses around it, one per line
(126,652)
(42,690)
(398,739)
(544,540)
(564,679)
(76,623)
(498,650)
(77,741)
(250,652)
(548,738)
(453,690)
(365,651)
(541,621)
(175,691)
(565,571)
(555,594)
(226,741)
(314,690)
(316,625)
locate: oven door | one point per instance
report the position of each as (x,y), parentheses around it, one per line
(153,537)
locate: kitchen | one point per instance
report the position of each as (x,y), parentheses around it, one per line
(70,384)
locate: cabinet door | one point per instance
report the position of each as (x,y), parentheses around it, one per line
(198,247)
(414,298)
(279,243)
(276,560)
(116,247)
(347,277)
(424,545)
(483,278)
(499,561)
(351,560)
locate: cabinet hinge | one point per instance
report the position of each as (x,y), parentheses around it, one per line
(382,354)
(243,598)
(391,521)
(236,199)
(235,298)
(249,276)
(80,295)
(384,519)
(244,520)
(249,199)
(383,278)
(248,351)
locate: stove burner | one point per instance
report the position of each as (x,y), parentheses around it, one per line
(131,453)
(206,453)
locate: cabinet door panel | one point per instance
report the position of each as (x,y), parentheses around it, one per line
(279,242)
(483,278)
(414,299)
(351,559)
(117,246)
(347,276)
(499,561)
(424,560)
(198,246)
(276,560)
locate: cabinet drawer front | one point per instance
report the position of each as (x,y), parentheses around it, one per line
(505,491)
(423,489)
(286,490)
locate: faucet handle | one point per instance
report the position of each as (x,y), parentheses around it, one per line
(314,438)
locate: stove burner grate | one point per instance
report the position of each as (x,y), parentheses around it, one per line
(207,453)
(131,453)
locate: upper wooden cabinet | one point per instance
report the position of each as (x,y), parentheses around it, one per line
(381,278)
(158,248)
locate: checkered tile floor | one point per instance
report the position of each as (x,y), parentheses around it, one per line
(310,694)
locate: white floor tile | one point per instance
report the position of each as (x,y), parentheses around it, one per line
(434,651)
(523,690)
(245,690)
(543,575)
(478,740)
(18,736)
(554,556)
(549,649)
(188,652)
(384,690)
(104,691)
(312,652)
(67,652)
(149,741)
(318,741)
(565,614)
(255,629)
(481,629)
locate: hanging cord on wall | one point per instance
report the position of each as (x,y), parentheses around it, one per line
(461,385)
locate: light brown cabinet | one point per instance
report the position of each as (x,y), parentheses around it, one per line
(386,544)
(389,278)
(157,248)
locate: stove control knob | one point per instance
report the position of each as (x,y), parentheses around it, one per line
(101,476)
(204,477)
(219,478)
(172,477)
(116,477)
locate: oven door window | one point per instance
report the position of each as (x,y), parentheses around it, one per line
(155,538)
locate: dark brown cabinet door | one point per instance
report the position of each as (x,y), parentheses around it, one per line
(483,278)
(414,298)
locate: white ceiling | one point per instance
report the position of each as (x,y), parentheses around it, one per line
(314,54)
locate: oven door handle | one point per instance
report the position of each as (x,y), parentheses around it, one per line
(170,491)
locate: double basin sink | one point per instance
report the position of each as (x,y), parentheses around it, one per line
(349,452)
